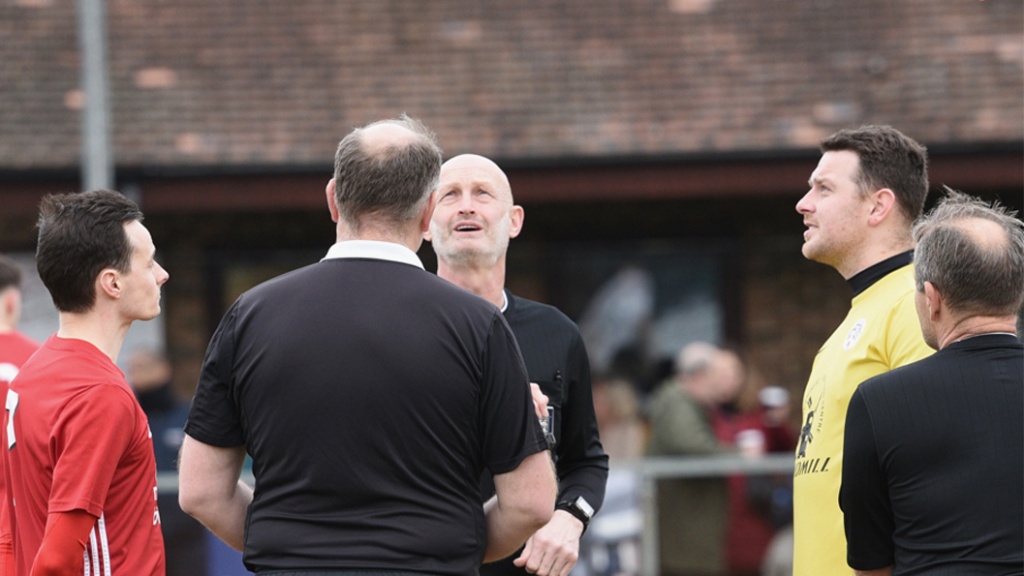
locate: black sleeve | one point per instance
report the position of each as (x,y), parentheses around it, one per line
(510,429)
(864,495)
(582,462)
(214,417)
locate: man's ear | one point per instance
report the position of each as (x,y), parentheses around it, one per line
(516,216)
(109,283)
(933,300)
(428,213)
(883,202)
(330,201)
(9,301)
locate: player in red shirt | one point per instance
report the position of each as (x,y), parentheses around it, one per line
(15,348)
(81,472)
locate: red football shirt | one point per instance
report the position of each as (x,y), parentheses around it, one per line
(78,440)
(15,349)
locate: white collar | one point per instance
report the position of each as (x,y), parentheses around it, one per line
(375,250)
(504,305)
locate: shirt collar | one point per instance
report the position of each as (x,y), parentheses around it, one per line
(867,277)
(374,250)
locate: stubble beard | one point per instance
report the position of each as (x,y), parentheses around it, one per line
(470,256)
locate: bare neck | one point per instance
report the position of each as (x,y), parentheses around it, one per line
(102,329)
(488,282)
(970,326)
(409,236)
(869,256)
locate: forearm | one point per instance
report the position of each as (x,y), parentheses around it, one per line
(587,479)
(582,461)
(499,537)
(507,529)
(524,503)
(225,517)
(63,545)
(210,491)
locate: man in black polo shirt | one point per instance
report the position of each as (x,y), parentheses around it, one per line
(933,456)
(470,230)
(370,395)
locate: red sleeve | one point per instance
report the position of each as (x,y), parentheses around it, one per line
(90,437)
(62,550)
(6,556)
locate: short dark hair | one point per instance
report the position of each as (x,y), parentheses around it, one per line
(10,273)
(973,277)
(80,234)
(393,182)
(888,159)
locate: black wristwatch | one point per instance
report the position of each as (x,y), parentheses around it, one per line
(579,508)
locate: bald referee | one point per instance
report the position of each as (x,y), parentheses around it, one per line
(470,231)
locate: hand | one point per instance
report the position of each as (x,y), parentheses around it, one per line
(540,401)
(554,549)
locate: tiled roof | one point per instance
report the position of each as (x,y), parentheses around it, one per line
(258,82)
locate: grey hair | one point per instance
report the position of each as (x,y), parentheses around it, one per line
(973,276)
(695,358)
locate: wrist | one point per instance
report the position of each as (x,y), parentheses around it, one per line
(578,508)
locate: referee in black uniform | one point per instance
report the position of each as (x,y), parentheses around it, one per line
(933,459)
(371,396)
(470,230)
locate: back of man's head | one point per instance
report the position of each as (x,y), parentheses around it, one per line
(10,293)
(695,358)
(973,254)
(10,273)
(79,235)
(888,159)
(386,170)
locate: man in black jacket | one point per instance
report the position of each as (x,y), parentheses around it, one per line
(472,224)
(933,457)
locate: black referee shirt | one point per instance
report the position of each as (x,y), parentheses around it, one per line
(371,395)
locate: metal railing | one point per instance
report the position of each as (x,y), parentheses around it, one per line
(648,472)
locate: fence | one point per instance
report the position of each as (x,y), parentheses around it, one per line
(647,472)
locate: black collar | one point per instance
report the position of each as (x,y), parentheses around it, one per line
(864,279)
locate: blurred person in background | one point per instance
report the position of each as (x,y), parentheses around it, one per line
(470,229)
(754,427)
(85,486)
(611,546)
(933,459)
(692,512)
(371,396)
(623,430)
(150,375)
(868,188)
(15,348)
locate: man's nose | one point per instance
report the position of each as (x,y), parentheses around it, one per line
(803,205)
